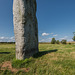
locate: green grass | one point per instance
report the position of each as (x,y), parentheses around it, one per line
(52,59)
(21,63)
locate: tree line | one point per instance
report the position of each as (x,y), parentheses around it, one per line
(7,42)
(53,41)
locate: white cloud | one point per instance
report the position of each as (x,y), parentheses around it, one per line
(11,39)
(55,35)
(42,40)
(45,40)
(3,38)
(7,39)
(65,37)
(62,38)
(45,34)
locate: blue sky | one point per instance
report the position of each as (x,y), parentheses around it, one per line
(56,18)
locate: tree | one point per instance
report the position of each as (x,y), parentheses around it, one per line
(53,41)
(63,41)
(57,42)
(73,36)
(74,33)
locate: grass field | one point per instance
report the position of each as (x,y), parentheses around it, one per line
(51,60)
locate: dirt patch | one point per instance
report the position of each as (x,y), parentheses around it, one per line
(8,65)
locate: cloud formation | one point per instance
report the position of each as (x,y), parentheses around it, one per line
(45,40)
(7,39)
(45,34)
(65,37)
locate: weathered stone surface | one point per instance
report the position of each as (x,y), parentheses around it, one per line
(25,28)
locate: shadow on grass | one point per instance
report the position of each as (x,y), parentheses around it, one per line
(4,52)
(39,54)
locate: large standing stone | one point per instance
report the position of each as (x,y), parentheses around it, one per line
(25,28)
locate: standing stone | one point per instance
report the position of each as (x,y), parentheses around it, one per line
(25,28)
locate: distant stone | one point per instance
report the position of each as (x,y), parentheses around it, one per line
(25,28)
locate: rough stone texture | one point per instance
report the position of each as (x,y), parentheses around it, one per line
(25,28)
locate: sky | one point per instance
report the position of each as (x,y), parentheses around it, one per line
(56,18)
